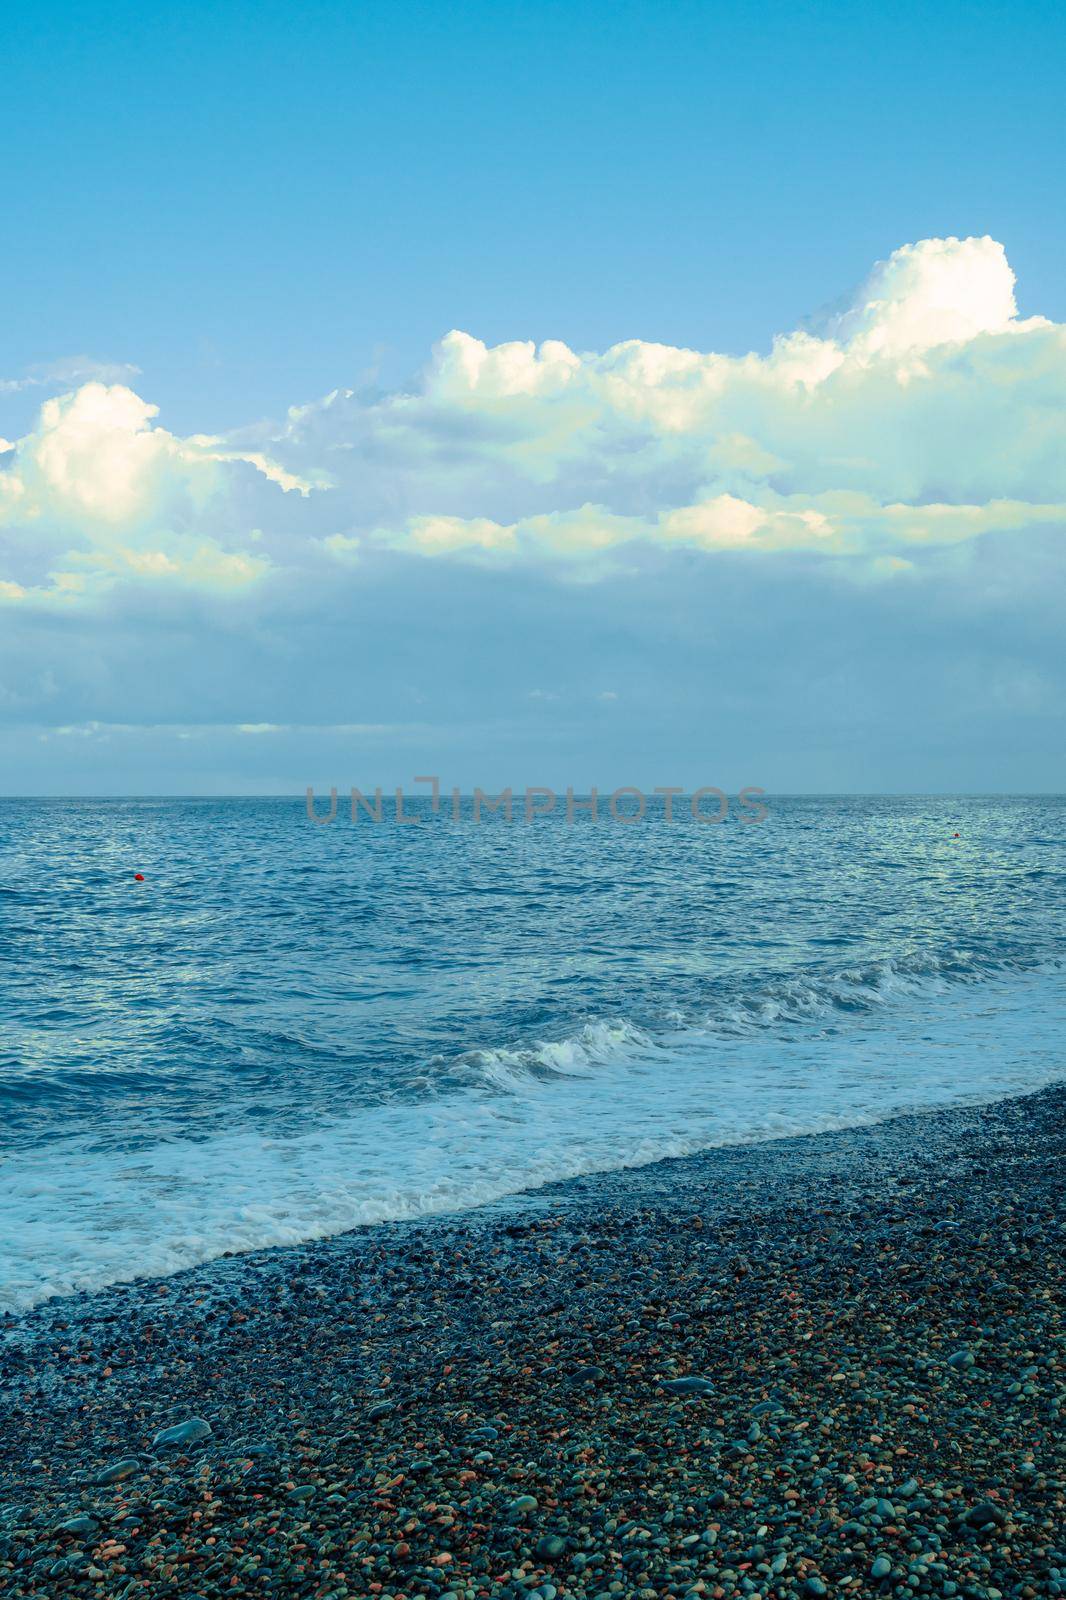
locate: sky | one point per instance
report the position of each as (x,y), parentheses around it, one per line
(564,394)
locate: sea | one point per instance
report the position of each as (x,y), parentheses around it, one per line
(281,1030)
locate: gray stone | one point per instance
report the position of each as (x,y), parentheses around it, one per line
(984,1513)
(190,1432)
(83,1526)
(690,1385)
(117,1471)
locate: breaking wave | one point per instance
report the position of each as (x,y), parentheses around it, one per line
(611,1096)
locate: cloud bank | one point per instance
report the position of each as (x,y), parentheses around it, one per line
(534,547)
(925,414)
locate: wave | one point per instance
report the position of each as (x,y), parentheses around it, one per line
(286,1074)
(778,1002)
(611,1095)
(596,1044)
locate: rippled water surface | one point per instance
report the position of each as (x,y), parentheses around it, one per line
(289,1029)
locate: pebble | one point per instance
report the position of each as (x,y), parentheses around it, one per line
(443,1411)
(191,1432)
(984,1513)
(118,1470)
(84,1526)
(691,1385)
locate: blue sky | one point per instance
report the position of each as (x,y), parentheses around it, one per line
(577,567)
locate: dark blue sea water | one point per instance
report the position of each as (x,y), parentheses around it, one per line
(288,1029)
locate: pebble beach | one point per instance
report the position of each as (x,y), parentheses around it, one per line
(817,1366)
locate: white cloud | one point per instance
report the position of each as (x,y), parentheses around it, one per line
(464,368)
(96,729)
(925,414)
(70,370)
(842,524)
(135,498)
(938,292)
(95,458)
(442,535)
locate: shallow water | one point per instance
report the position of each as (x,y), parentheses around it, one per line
(286,1030)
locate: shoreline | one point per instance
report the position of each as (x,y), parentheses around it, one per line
(818,1285)
(800,1152)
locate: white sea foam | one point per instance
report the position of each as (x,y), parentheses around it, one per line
(612,1096)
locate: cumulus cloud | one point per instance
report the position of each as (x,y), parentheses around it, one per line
(927,413)
(941,291)
(98,489)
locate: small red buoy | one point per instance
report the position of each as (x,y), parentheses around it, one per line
(140,875)
(956,836)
